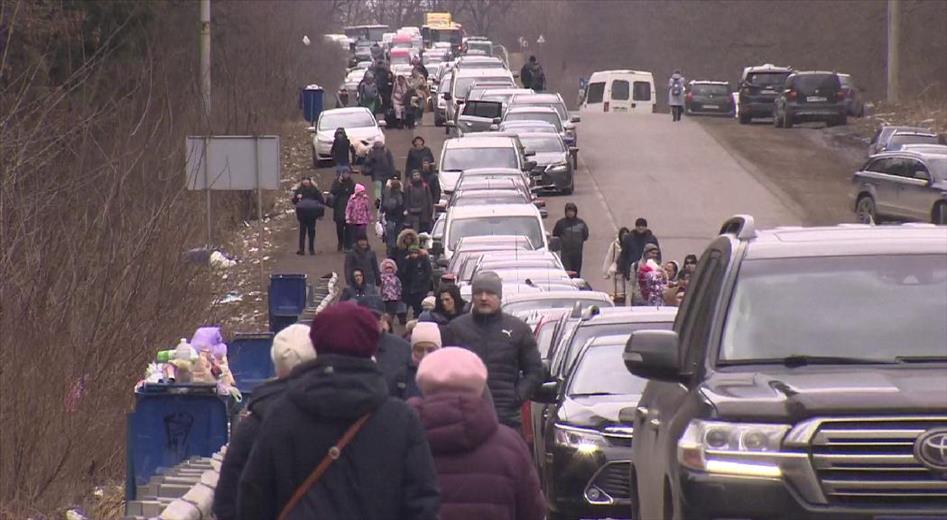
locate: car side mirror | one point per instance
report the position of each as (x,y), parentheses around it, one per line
(547,393)
(575,119)
(461,102)
(516,75)
(627,415)
(383,123)
(544,213)
(443,262)
(653,354)
(529,165)
(555,245)
(573,150)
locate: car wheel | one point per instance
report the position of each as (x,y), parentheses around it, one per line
(744,119)
(865,210)
(939,215)
(315,158)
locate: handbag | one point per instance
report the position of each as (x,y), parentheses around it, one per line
(334,453)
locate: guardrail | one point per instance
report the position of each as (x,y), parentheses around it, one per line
(186,491)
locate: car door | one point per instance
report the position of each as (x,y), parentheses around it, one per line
(594,97)
(915,197)
(881,175)
(479,116)
(620,94)
(666,407)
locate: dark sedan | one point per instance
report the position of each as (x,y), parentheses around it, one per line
(709,97)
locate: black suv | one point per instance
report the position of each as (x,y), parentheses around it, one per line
(805,378)
(759,87)
(810,96)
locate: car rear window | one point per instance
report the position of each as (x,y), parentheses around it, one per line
(766,79)
(721,90)
(596,93)
(816,82)
(620,90)
(642,91)
(483,109)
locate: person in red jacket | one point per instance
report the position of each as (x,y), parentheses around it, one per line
(484,468)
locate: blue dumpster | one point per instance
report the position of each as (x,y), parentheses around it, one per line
(250,361)
(287,299)
(170,424)
(311,100)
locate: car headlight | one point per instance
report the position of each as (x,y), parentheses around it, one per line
(557,168)
(744,449)
(580,439)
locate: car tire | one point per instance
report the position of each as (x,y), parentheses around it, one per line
(939,214)
(745,118)
(865,210)
(315,159)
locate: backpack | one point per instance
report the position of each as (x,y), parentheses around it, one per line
(370,91)
(677,88)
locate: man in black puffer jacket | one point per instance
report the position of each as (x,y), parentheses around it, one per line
(504,343)
(291,348)
(385,473)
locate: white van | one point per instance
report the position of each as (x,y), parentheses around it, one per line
(619,91)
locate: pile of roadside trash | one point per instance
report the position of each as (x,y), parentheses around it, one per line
(201,361)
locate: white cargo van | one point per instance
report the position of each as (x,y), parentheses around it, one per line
(619,91)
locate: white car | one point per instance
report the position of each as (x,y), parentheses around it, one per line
(358,122)
(483,150)
(501,219)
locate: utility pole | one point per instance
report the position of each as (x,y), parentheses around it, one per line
(894,49)
(205,57)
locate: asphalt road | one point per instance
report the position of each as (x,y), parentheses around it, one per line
(686,178)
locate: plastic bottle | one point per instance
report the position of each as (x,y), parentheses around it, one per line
(165,355)
(184,351)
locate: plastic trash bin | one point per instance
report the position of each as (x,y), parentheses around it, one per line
(250,361)
(287,299)
(170,424)
(311,100)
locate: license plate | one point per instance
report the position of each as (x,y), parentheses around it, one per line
(620,109)
(816,99)
(711,106)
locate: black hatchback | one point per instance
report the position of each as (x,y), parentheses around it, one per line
(709,97)
(811,96)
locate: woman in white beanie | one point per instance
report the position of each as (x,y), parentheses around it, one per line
(291,347)
(425,339)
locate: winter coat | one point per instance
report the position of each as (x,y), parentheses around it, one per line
(507,347)
(392,206)
(406,385)
(390,283)
(572,233)
(394,355)
(484,468)
(386,472)
(632,246)
(380,164)
(676,100)
(341,148)
(610,263)
(355,292)
(416,274)
(358,211)
(419,205)
(308,201)
(433,183)
(399,98)
(241,442)
(405,238)
(341,192)
(526,76)
(416,157)
(364,260)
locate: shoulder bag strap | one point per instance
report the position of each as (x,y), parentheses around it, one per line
(334,453)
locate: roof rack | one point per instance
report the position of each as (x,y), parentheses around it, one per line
(743,226)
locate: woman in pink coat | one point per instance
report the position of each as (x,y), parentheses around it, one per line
(358,212)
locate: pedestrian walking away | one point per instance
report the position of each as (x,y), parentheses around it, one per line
(310,205)
(504,343)
(418,153)
(632,246)
(341,151)
(363,258)
(419,204)
(572,232)
(416,278)
(339,194)
(676,87)
(393,212)
(385,471)
(484,468)
(394,353)
(358,213)
(425,339)
(429,175)
(610,269)
(291,348)
(380,166)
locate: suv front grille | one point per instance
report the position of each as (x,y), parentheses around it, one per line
(863,462)
(614,479)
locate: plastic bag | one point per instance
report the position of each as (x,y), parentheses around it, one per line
(379,229)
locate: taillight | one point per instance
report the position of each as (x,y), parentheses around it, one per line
(606,106)
(791,95)
(841,94)
(690,96)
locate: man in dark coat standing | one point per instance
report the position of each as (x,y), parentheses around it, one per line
(418,153)
(504,343)
(418,204)
(291,347)
(632,246)
(572,232)
(362,257)
(380,166)
(342,188)
(385,472)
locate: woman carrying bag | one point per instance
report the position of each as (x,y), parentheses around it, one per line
(310,206)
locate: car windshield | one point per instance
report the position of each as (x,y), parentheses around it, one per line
(403,59)
(527,226)
(871,307)
(897,140)
(459,159)
(483,46)
(550,303)
(489,197)
(462,85)
(766,79)
(706,90)
(600,371)
(585,333)
(558,107)
(360,119)
(549,117)
(550,144)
